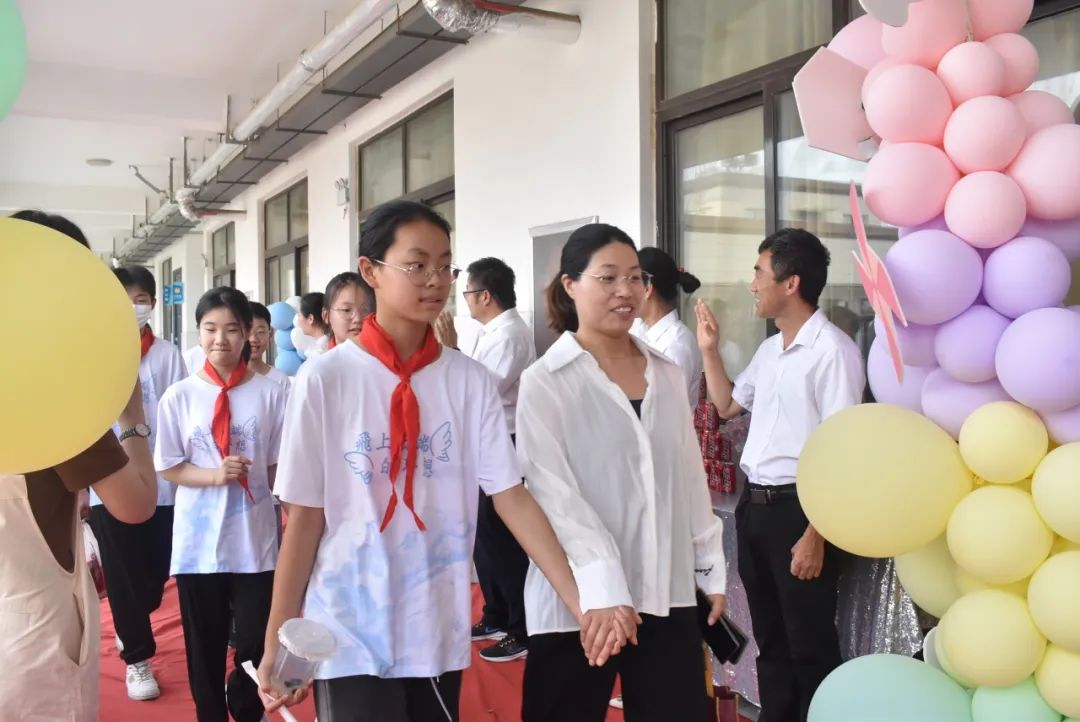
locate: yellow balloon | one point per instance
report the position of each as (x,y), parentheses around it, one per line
(990,639)
(928,575)
(1058,680)
(879,480)
(1052,598)
(1056,490)
(967,583)
(996,534)
(71,355)
(1003,442)
(1061,544)
(943,661)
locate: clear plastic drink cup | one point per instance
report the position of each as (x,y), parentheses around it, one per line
(304,644)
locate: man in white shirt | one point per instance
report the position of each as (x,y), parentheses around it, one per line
(505,347)
(797,379)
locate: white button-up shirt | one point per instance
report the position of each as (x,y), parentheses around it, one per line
(791,391)
(505,347)
(627,498)
(671,337)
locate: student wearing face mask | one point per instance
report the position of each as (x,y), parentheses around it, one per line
(136,556)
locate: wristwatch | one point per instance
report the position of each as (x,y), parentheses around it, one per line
(140,430)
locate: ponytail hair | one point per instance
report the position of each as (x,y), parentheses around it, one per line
(575,258)
(667,276)
(237,303)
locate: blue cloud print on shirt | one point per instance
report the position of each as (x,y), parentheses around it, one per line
(242,440)
(432,448)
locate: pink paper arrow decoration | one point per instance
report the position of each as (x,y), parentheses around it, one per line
(828,91)
(878,285)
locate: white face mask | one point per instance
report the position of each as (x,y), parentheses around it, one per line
(143,313)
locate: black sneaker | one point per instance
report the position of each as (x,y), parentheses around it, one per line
(505,651)
(482,630)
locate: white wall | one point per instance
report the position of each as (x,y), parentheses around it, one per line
(543,133)
(189,256)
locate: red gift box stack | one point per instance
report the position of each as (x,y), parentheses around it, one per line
(716,447)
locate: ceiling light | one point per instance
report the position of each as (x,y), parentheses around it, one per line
(99,162)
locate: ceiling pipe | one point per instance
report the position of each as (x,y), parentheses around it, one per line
(481,16)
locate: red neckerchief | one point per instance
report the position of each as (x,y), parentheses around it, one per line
(222,422)
(146,339)
(333,342)
(404,408)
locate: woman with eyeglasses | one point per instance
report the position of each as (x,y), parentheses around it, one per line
(607,444)
(346,303)
(660,325)
(388,440)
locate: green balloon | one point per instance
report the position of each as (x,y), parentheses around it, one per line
(889,688)
(1011,704)
(12,55)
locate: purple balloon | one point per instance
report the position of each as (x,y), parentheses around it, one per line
(948,402)
(934,224)
(1063,234)
(1025,274)
(1064,426)
(887,389)
(965,346)
(936,275)
(916,342)
(1038,359)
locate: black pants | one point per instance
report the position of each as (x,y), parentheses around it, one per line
(373,699)
(501,565)
(208,603)
(136,561)
(663,677)
(794,621)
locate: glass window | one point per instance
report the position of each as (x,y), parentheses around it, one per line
(381,172)
(706,41)
(448,211)
(221,247)
(302,262)
(298,211)
(430,146)
(720,191)
(277,221)
(273,280)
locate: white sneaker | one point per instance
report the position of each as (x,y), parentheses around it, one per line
(141,685)
(616,702)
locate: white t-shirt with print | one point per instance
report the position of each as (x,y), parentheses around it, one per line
(160,368)
(279,377)
(217,528)
(398,602)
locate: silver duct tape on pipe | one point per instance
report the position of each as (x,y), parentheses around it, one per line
(464,15)
(458,15)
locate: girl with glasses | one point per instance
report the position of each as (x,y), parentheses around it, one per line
(346,304)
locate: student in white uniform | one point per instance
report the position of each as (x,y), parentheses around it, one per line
(660,326)
(388,440)
(505,346)
(311,320)
(345,305)
(136,556)
(607,444)
(219,432)
(260,341)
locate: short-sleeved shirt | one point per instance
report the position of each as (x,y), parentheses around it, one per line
(397,601)
(52,492)
(217,529)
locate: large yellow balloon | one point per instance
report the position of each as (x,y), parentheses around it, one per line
(996,534)
(71,347)
(1003,442)
(968,583)
(990,639)
(1053,597)
(1058,680)
(879,480)
(942,660)
(1056,490)
(928,575)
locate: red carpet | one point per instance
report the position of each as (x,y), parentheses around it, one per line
(490,692)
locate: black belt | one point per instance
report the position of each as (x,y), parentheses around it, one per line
(772,494)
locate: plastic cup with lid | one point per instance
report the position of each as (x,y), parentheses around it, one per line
(304,645)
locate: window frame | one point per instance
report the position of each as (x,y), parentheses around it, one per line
(229,234)
(292,246)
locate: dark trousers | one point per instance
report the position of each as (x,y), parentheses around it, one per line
(208,603)
(794,621)
(373,699)
(663,677)
(136,561)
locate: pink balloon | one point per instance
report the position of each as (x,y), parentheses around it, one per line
(860,41)
(965,346)
(1041,110)
(986,209)
(970,70)
(908,104)
(948,402)
(984,133)
(1047,171)
(1063,234)
(906,184)
(875,73)
(1024,275)
(993,17)
(887,389)
(933,27)
(916,342)
(1064,426)
(1021,61)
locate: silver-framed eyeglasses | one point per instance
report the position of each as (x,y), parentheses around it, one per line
(419,274)
(636,281)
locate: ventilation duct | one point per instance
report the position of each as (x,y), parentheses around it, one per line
(478,17)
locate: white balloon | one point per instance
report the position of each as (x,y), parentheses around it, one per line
(929,650)
(294,302)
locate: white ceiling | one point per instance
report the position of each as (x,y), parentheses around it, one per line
(125,80)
